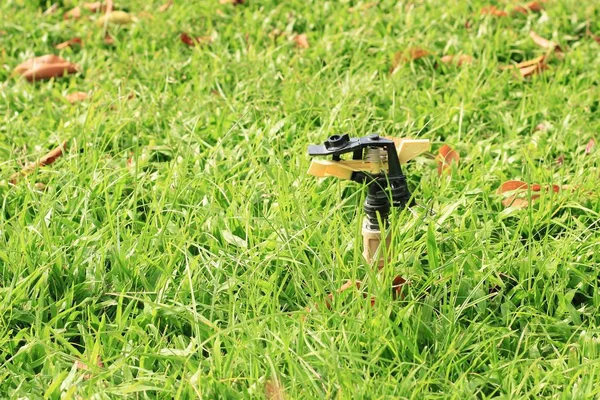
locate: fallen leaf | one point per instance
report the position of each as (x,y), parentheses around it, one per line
(48,159)
(347,285)
(74,13)
(165,6)
(516,193)
(69,43)
(545,43)
(363,7)
(273,390)
(529,67)
(199,40)
(560,160)
(446,157)
(45,67)
(234,2)
(408,55)
(494,11)
(85,367)
(590,146)
(94,7)
(76,97)
(301,41)
(468,24)
(534,6)
(116,17)
(458,60)
(108,39)
(51,10)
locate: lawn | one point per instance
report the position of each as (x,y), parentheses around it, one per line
(178,249)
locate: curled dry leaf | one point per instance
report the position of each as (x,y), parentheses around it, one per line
(408,55)
(590,146)
(446,157)
(273,390)
(533,6)
(165,6)
(301,41)
(458,60)
(397,286)
(193,41)
(45,67)
(74,13)
(494,11)
(51,10)
(48,159)
(348,285)
(545,43)
(529,67)
(516,193)
(116,17)
(76,97)
(69,43)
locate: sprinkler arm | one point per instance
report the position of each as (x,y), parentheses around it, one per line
(376,163)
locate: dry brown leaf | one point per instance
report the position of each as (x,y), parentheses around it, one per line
(545,43)
(301,41)
(408,55)
(51,10)
(45,67)
(468,24)
(397,286)
(165,6)
(516,192)
(85,367)
(234,2)
(529,67)
(446,157)
(560,160)
(532,69)
(494,11)
(590,146)
(533,6)
(69,43)
(74,13)
(363,7)
(191,41)
(458,60)
(94,7)
(108,39)
(48,159)
(76,97)
(273,390)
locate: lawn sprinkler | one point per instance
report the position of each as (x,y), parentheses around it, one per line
(375,163)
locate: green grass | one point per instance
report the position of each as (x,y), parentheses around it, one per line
(188,271)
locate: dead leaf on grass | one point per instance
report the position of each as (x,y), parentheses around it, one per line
(533,6)
(45,67)
(301,41)
(408,55)
(516,193)
(590,146)
(74,13)
(76,97)
(529,67)
(544,43)
(273,390)
(233,2)
(48,159)
(458,60)
(193,41)
(51,10)
(69,43)
(165,6)
(493,11)
(446,157)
